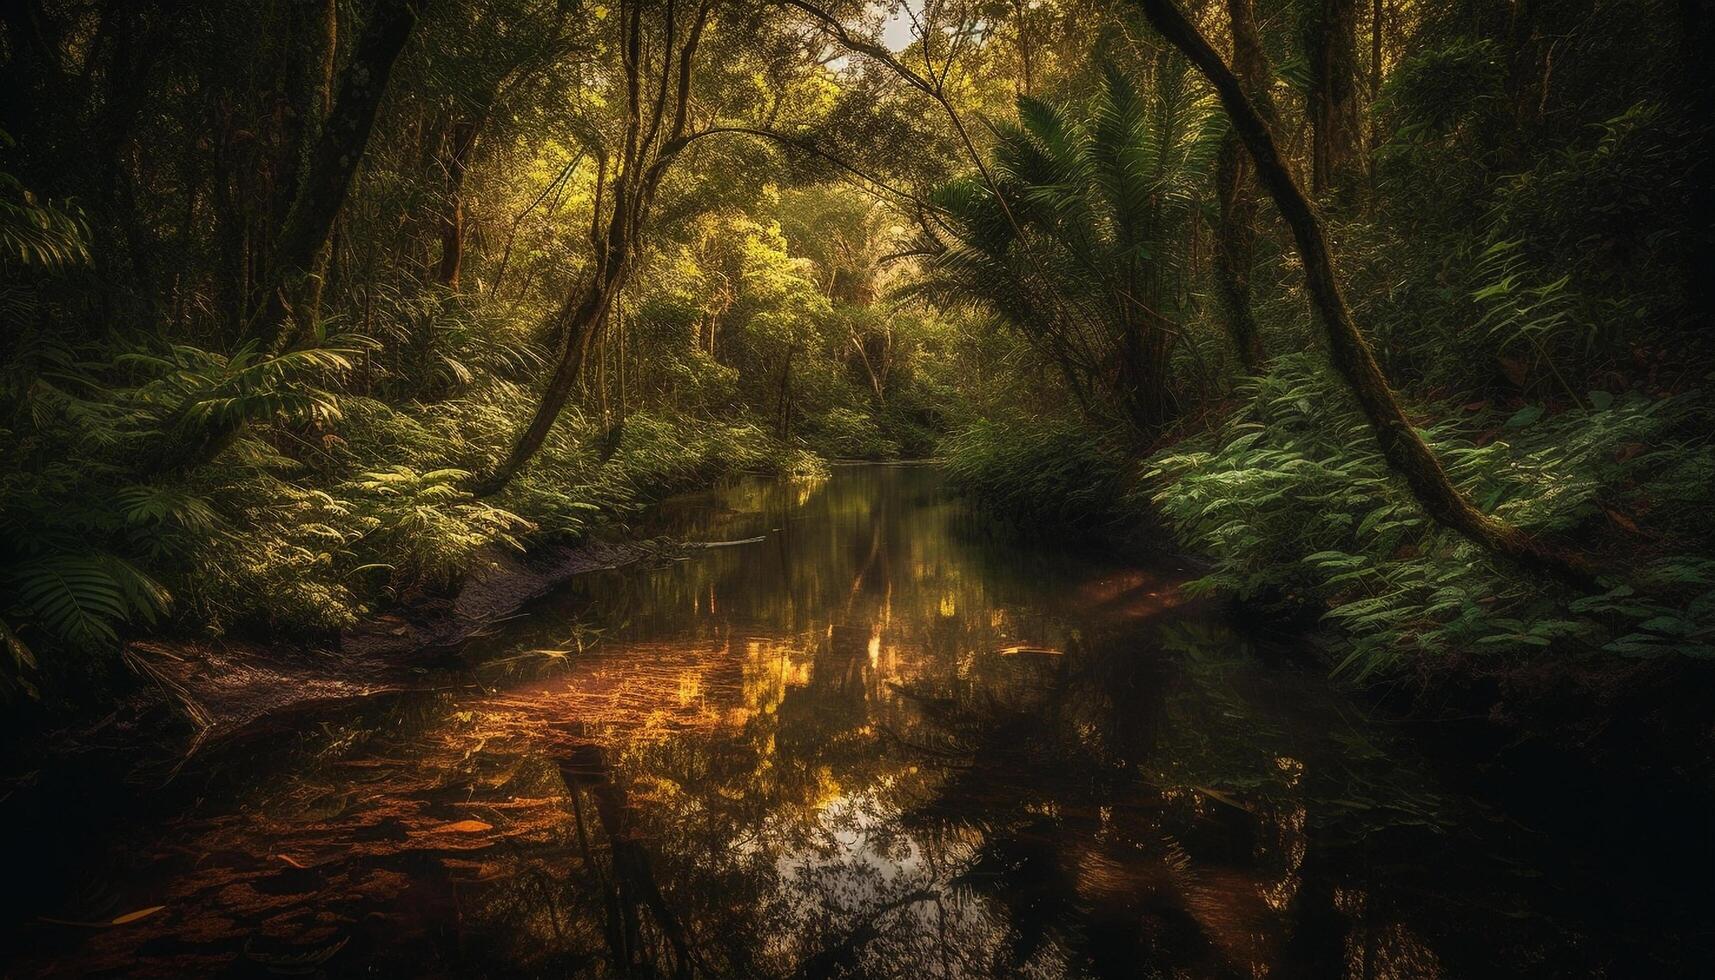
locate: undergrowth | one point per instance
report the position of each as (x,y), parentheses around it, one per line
(1043,475)
(1294,504)
(212,494)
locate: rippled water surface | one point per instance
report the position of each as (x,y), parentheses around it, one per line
(875,743)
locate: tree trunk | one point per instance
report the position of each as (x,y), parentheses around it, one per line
(637,177)
(1331,47)
(459,145)
(1697,74)
(1350,352)
(36,84)
(329,41)
(331,166)
(1235,251)
(580,321)
(1235,229)
(784,415)
(1021,16)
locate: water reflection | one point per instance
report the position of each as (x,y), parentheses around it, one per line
(873,743)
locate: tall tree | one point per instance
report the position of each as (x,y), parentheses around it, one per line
(1336,118)
(1235,227)
(333,162)
(628,179)
(455,163)
(494,54)
(1400,444)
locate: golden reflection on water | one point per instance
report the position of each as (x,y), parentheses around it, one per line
(866,744)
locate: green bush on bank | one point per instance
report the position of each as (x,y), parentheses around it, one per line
(848,433)
(1043,474)
(299,503)
(1293,503)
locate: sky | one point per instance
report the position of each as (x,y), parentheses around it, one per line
(896,33)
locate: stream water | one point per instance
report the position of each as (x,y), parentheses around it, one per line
(877,742)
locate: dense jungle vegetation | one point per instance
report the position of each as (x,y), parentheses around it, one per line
(1397,313)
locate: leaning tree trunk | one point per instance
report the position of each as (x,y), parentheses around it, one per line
(332,163)
(579,321)
(1236,223)
(584,313)
(1350,352)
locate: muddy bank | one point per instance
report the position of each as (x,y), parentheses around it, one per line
(223,686)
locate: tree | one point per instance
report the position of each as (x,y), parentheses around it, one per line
(1330,47)
(333,161)
(1235,225)
(1081,244)
(1400,444)
(628,179)
(488,61)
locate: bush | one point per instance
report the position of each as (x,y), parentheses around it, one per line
(217,493)
(1043,475)
(849,433)
(1294,504)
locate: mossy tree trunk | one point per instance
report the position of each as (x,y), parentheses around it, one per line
(1404,450)
(645,153)
(1336,119)
(332,164)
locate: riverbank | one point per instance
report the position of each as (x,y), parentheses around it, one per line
(1310,540)
(190,693)
(221,687)
(183,681)
(1588,718)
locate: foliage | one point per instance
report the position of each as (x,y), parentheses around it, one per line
(1080,237)
(852,434)
(1042,475)
(311,503)
(1527,258)
(1294,506)
(38,234)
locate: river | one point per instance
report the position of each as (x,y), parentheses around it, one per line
(879,741)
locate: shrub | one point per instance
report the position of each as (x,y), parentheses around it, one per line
(850,433)
(220,492)
(1295,506)
(1046,474)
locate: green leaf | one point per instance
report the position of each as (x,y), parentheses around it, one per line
(1524,416)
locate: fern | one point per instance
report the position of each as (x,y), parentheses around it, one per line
(82,599)
(37,234)
(1077,243)
(1295,509)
